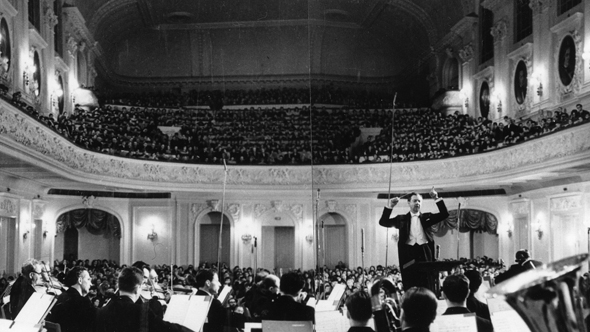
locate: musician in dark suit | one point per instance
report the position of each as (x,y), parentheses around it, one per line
(208,285)
(128,313)
(416,241)
(288,306)
(523,263)
(456,290)
(73,311)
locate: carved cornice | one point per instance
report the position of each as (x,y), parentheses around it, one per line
(75,25)
(232,209)
(35,39)
(24,136)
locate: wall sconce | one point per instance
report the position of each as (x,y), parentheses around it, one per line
(309,238)
(153,236)
(537,228)
(499,107)
(45,232)
(246,238)
(25,235)
(540,90)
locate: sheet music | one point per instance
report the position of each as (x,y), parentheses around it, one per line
(504,317)
(441,307)
(5,324)
(222,297)
(25,327)
(331,321)
(188,310)
(36,308)
(333,300)
(311,302)
(252,327)
(454,323)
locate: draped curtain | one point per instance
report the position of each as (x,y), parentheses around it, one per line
(97,222)
(471,220)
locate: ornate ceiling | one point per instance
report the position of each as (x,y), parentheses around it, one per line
(411,27)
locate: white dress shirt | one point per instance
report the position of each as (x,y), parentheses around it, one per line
(416,231)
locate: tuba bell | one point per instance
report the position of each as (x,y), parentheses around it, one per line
(549,298)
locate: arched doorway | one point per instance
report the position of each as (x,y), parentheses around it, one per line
(88,234)
(333,235)
(209,238)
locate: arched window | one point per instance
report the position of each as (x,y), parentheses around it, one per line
(36,82)
(451,74)
(5,50)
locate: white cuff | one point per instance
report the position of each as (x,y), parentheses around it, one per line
(438,200)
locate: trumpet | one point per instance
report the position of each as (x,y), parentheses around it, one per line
(548,298)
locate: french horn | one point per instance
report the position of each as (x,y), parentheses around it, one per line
(548,298)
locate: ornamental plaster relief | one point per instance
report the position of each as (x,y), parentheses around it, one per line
(279,207)
(499,31)
(198,209)
(59,154)
(8,207)
(346,210)
(566,203)
(520,208)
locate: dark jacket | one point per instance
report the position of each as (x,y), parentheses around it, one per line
(217,317)
(122,315)
(73,312)
(483,325)
(403,222)
(286,308)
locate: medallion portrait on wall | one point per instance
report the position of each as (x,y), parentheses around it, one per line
(520,82)
(484,99)
(567,60)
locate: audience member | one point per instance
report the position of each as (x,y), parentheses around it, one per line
(523,263)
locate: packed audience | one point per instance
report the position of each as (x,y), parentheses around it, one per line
(290,136)
(216,99)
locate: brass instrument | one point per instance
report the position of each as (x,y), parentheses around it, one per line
(548,298)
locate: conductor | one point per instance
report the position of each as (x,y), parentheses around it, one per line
(416,241)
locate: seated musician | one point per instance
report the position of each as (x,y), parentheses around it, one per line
(25,285)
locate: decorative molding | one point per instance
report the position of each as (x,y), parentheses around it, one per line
(49,14)
(499,31)
(347,210)
(232,209)
(520,208)
(60,64)
(567,203)
(539,6)
(492,5)
(38,209)
(485,75)
(214,205)
(72,46)
(21,135)
(571,23)
(296,210)
(8,8)
(8,207)
(35,39)
(466,53)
